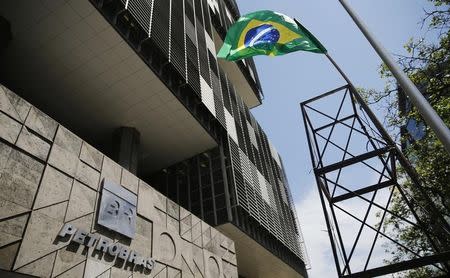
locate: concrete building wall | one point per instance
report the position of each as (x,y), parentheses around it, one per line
(50,177)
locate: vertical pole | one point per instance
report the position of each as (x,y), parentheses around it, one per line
(428,113)
(338,68)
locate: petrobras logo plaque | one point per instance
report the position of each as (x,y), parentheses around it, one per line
(117,212)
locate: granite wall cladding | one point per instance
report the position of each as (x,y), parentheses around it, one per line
(49,177)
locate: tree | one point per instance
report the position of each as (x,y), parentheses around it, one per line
(428,66)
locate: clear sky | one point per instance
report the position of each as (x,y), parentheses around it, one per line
(291,79)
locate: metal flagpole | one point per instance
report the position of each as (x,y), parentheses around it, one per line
(349,82)
(428,113)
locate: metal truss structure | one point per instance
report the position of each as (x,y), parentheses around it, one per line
(369,191)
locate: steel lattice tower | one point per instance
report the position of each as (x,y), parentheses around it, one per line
(361,176)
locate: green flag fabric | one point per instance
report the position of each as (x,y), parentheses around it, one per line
(267,33)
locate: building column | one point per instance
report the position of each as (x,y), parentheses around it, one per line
(126,148)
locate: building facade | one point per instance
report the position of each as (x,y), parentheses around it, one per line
(139,80)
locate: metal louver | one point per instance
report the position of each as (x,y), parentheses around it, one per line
(160,31)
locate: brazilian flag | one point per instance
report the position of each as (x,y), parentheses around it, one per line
(267,33)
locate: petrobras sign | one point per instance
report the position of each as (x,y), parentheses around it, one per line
(105,245)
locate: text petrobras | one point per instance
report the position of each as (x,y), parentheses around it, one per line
(106,246)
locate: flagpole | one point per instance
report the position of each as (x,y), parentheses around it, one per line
(415,96)
(338,68)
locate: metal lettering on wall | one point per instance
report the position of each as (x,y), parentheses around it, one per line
(117,210)
(106,245)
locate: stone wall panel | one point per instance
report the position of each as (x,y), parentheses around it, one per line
(63,160)
(41,267)
(11,230)
(229,270)
(41,124)
(88,175)
(20,176)
(185,225)
(95,268)
(143,240)
(8,209)
(119,273)
(7,255)
(213,265)
(173,225)
(150,200)
(197,231)
(173,272)
(68,141)
(91,156)
(198,261)
(9,128)
(55,188)
(74,272)
(129,181)
(111,170)
(12,105)
(173,209)
(159,272)
(81,202)
(67,258)
(41,234)
(33,144)
(105,274)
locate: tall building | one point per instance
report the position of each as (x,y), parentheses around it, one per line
(139,81)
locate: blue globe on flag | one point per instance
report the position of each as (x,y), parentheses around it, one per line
(264,36)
